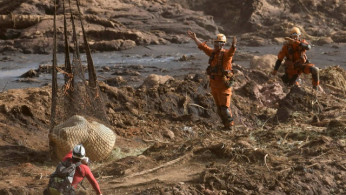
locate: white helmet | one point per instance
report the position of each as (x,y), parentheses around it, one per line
(78,151)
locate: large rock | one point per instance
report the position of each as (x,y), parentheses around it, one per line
(265,63)
(19,21)
(113,45)
(271,18)
(324,41)
(134,22)
(339,37)
(296,100)
(97,139)
(267,94)
(155,80)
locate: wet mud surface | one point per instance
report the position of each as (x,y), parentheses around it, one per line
(286,140)
(171,141)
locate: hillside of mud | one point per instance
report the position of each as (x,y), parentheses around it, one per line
(170,141)
(322,22)
(27,25)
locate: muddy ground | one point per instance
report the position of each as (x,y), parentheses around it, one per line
(170,141)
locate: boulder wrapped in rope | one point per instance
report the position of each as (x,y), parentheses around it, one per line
(100,141)
(67,134)
(97,139)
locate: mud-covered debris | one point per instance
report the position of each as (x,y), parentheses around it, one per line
(28,80)
(334,78)
(336,128)
(253,40)
(339,36)
(6,59)
(265,63)
(136,67)
(184,58)
(168,133)
(298,99)
(126,72)
(106,68)
(324,41)
(116,81)
(260,156)
(267,94)
(155,80)
(30,74)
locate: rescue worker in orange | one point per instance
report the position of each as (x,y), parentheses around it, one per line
(296,61)
(220,74)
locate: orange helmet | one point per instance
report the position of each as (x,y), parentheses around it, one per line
(220,38)
(295,31)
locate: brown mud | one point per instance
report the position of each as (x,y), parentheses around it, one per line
(286,140)
(283,141)
(26,25)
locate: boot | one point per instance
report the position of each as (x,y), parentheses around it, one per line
(228,125)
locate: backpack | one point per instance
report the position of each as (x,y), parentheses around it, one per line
(60,181)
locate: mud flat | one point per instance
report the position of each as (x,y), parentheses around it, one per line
(134,65)
(283,142)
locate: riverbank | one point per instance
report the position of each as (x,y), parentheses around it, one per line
(175,60)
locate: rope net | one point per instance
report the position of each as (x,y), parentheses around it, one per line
(79,93)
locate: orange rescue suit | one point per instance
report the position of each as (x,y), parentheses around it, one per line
(296,60)
(221,93)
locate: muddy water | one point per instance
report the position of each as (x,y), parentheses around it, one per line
(158,59)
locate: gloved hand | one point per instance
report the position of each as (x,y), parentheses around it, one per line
(292,41)
(234,42)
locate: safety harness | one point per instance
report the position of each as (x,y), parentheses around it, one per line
(291,51)
(218,69)
(214,70)
(297,65)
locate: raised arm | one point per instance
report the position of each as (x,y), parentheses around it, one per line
(233,47)
(193,36)
(303,43)
(201,45)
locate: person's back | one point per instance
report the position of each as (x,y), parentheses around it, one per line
(77,158)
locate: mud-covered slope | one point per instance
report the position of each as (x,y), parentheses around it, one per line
(27,25)
(174,126)
(272,18)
